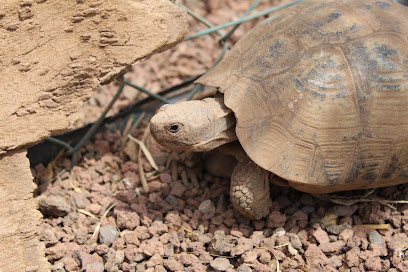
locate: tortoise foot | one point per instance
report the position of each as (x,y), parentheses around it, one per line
(250,189)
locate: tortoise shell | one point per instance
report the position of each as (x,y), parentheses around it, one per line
(320,94)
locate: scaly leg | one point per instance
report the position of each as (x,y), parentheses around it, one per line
(250,189)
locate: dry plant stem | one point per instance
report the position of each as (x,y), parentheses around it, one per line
(148,156)
(273,254)
(374,226)
(145,150)
(86,213)
(345,201)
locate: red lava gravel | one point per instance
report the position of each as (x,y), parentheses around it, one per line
(187,223)
(97,217)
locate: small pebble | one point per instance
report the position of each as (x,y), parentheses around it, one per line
(94,267)
(172,200)
(165,178)
(221,244)
(81,200)
(337,229)
(58,267)
(294,240)
(375,238)
(244,268)
(220,264)
(108,234)
(173,265)
(177,189)
(343,211)
(308,209)
(207,207)
(53,206)
(278,232)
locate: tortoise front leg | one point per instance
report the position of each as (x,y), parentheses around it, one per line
(250,189)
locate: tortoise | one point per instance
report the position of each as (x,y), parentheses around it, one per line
(316,96)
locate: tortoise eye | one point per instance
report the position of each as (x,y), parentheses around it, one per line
(174,128)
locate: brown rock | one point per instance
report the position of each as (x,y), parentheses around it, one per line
(403,266)
(352,257)
(346,234)
(300,215)
(53,206)
(173,265)
(321,236)
(373,263)
(398,242)
(315,258)
(221,244)
(75,55)
(275,219)
(332,247)
(177,189)
(126,219)
(157,228)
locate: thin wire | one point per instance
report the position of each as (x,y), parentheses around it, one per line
(200,18)
(143,90)
(95,125)
(239,21)
(59,142)
(251,8)
(198,87)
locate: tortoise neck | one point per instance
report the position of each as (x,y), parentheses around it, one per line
(224,122)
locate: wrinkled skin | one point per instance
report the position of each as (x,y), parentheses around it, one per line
(207,124)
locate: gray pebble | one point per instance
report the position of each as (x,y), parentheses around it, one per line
(221,244)
(108,234)
(172,200)
(278,232)
(337,229)
(294,240)
(308,209)
(139,257)
(81,200)
(81,236)
(53,206)
(58,267)
(94,267)
(375,238)
(340,210)
(207,207)
(220,264)
(244,268)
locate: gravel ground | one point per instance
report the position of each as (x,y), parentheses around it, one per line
(98,217)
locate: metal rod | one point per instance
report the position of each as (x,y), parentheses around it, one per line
(239,21)
(198,87)
(91,131)
(59,142)
(251,8)
(143,90)
(200,18)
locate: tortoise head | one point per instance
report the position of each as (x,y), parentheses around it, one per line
(194,125)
